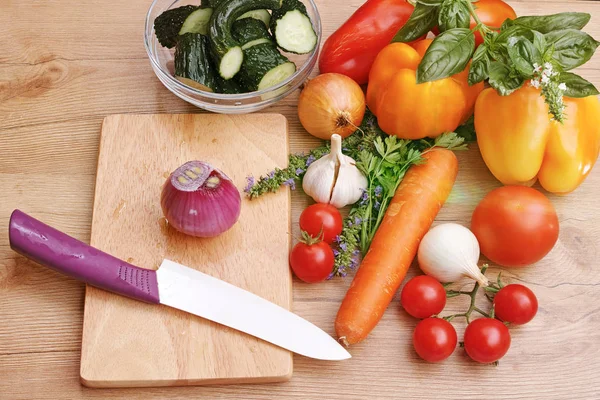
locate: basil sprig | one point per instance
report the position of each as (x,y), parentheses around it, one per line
(423,18)
(536,50)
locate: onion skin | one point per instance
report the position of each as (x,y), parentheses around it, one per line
(200,200)
(331,103)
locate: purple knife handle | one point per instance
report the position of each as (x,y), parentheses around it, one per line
(60,252)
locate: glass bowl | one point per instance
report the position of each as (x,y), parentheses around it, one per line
(161,59)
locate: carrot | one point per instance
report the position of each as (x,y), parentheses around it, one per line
(409,216)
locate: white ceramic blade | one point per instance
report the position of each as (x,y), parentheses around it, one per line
(192,291)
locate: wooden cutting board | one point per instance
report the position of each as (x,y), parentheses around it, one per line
(128,343)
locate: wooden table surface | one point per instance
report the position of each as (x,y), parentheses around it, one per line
(65,65)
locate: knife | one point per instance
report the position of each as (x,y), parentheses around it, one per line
(173,285)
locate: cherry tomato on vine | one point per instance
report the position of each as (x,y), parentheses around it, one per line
(515,226)
(434,339)
(492,13)
(515,304)
(322,219)
(312,260)
(486,340)
(423,296)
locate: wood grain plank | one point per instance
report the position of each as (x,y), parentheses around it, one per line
(65,65)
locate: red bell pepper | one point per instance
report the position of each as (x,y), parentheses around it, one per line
(351,50)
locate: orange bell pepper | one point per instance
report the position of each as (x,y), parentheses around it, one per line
(521,144)
(415,111)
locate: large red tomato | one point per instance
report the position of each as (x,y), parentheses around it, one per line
(515,226)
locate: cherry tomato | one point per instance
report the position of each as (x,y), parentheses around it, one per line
(492,13)
(515,226)
(423,296)
(351,50)
(321,219)
(312,262)
(434,339)
(515,304)
(486,340)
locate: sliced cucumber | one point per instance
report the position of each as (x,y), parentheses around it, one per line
(277,75)
(227,51)
(211,3)
(228,87)
(263,64)
(231,62)
(256,42)
(263,67)
(261,15)
(193,65)
(197,22)
(293,28)
(168,24)
(249,29)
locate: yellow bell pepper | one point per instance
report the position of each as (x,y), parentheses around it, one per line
(521,144)
(415,111)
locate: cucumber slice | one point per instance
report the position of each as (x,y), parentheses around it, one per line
(249,29)
(228,87)
(197,22)
(168,24)
(263,64)
(211,3)
(193,65)
(263,67)
(227,51)
(231,62)
(276,75)
(293,28)
(261,15)
(256,42)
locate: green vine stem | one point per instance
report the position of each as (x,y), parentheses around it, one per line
(472,307)
(483,28)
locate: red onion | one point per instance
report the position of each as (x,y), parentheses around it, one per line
(200,200)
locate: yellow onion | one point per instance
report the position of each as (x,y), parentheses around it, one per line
(200,200)
(331,104)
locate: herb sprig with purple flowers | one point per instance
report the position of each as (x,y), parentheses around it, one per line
(382,159)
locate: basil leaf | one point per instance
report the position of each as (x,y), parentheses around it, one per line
(507,24)
(448,54)
(523,55)
(513,30)
(422,19)
(539,41)
(554,22)
(577,86)
(454,14)
(572,48)
(480,66)
(503,79)
(430,2)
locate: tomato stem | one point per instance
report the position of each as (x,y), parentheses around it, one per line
(472,307)
(481,27)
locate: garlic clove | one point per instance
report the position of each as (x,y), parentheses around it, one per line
(350,184)
(319,179)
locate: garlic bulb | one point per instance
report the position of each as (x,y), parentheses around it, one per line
(450,251)
(334,178)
